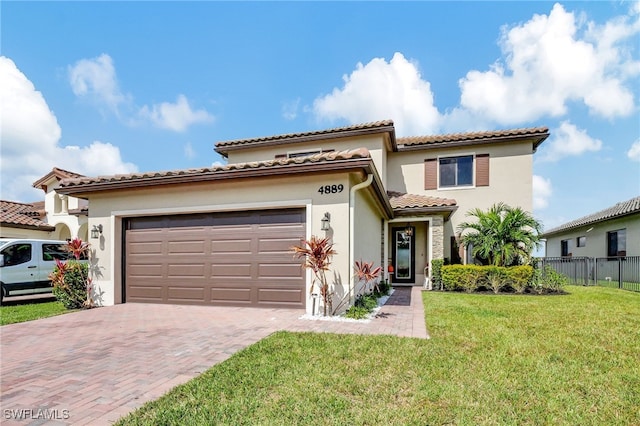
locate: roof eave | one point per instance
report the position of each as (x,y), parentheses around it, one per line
(535,138)
(562,230)
(80,190)
(46,228)
(412,211)
(387,128)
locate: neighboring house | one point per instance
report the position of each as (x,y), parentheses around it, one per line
(614,231)
(222,235)
(58,217)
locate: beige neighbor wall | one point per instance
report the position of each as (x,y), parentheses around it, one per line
(109,209)
(57,207)
(596,238)
(8,232)
(374,143)
(510,180)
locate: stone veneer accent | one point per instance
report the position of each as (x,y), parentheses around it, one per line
(437,234)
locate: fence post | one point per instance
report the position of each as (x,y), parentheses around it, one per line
(619,272)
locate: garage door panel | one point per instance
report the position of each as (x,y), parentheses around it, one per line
(231,259)
(185,270)
(279,270)
(280,296)
(237,270)
(142,270)
(231,245)
(146,247)
(177,294)
(230,295)
(145,293)
(186,247)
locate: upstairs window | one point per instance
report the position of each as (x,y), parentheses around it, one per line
(456,172)
(581,242)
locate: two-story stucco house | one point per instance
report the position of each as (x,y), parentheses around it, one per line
(222,235)
(58,217)
(612,232)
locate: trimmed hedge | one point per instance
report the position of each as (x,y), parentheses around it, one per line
(518,279)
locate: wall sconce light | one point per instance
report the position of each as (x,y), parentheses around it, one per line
(326,222)
(96,231)
(408,231)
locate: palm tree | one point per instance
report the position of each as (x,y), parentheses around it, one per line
(501,236)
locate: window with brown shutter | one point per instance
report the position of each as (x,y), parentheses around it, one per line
(482,169)
(431,173)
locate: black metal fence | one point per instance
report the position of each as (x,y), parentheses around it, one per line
(618,272)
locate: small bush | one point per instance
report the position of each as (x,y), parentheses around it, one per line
(383,288)
(547,280)
(357,312)
(495,278)
(436,272)
(71,286)
(520,277)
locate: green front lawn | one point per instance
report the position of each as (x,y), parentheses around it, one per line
(505,359)
(28,310)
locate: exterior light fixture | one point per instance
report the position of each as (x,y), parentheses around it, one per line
(408,231)
(326,222)
(96,231)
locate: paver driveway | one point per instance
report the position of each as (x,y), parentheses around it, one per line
(92,367)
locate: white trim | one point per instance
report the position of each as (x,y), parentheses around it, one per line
(214,208)
(473,172)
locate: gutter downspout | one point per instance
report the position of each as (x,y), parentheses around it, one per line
(352,202)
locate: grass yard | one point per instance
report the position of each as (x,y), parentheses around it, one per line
(29,310)
(506,359)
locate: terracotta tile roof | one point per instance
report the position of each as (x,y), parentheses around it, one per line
(621,209)
(400,200)
(223,147)
(210,173)
(538,134)
(22,215)
(55,172)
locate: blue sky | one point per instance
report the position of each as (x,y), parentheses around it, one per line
(119,87)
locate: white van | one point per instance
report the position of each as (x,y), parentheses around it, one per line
(25,265)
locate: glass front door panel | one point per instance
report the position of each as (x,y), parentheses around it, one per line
(404,255)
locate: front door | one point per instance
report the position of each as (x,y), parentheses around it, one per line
(403,256)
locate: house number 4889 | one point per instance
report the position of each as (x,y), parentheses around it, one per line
(331,189)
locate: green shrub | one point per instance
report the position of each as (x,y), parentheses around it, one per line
(71,286)
(520,277)
(436,274)
(548,280)
(356,312)
(462,277)
(495,278)
(382,289)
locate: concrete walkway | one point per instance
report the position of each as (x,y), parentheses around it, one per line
(92,367)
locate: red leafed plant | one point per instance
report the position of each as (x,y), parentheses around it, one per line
(365,272)
(70,279)
(317,254)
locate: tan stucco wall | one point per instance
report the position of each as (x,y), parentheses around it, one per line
(374,143)
(275,192)
(7,232)
(510,180)
(596,238)
(368,230)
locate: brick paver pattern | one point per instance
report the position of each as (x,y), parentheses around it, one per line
(92,367)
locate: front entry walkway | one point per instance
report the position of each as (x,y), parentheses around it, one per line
(94,366)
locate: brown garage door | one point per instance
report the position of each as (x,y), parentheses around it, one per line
(231,259)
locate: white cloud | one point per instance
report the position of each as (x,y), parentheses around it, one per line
(30,140)
(567,140)
(177,116)
(548,63)
(290,109)
(383,90)
(96,79)
(634,151)
(189,152)
(542,190)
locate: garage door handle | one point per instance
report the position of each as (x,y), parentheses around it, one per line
(31,267)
